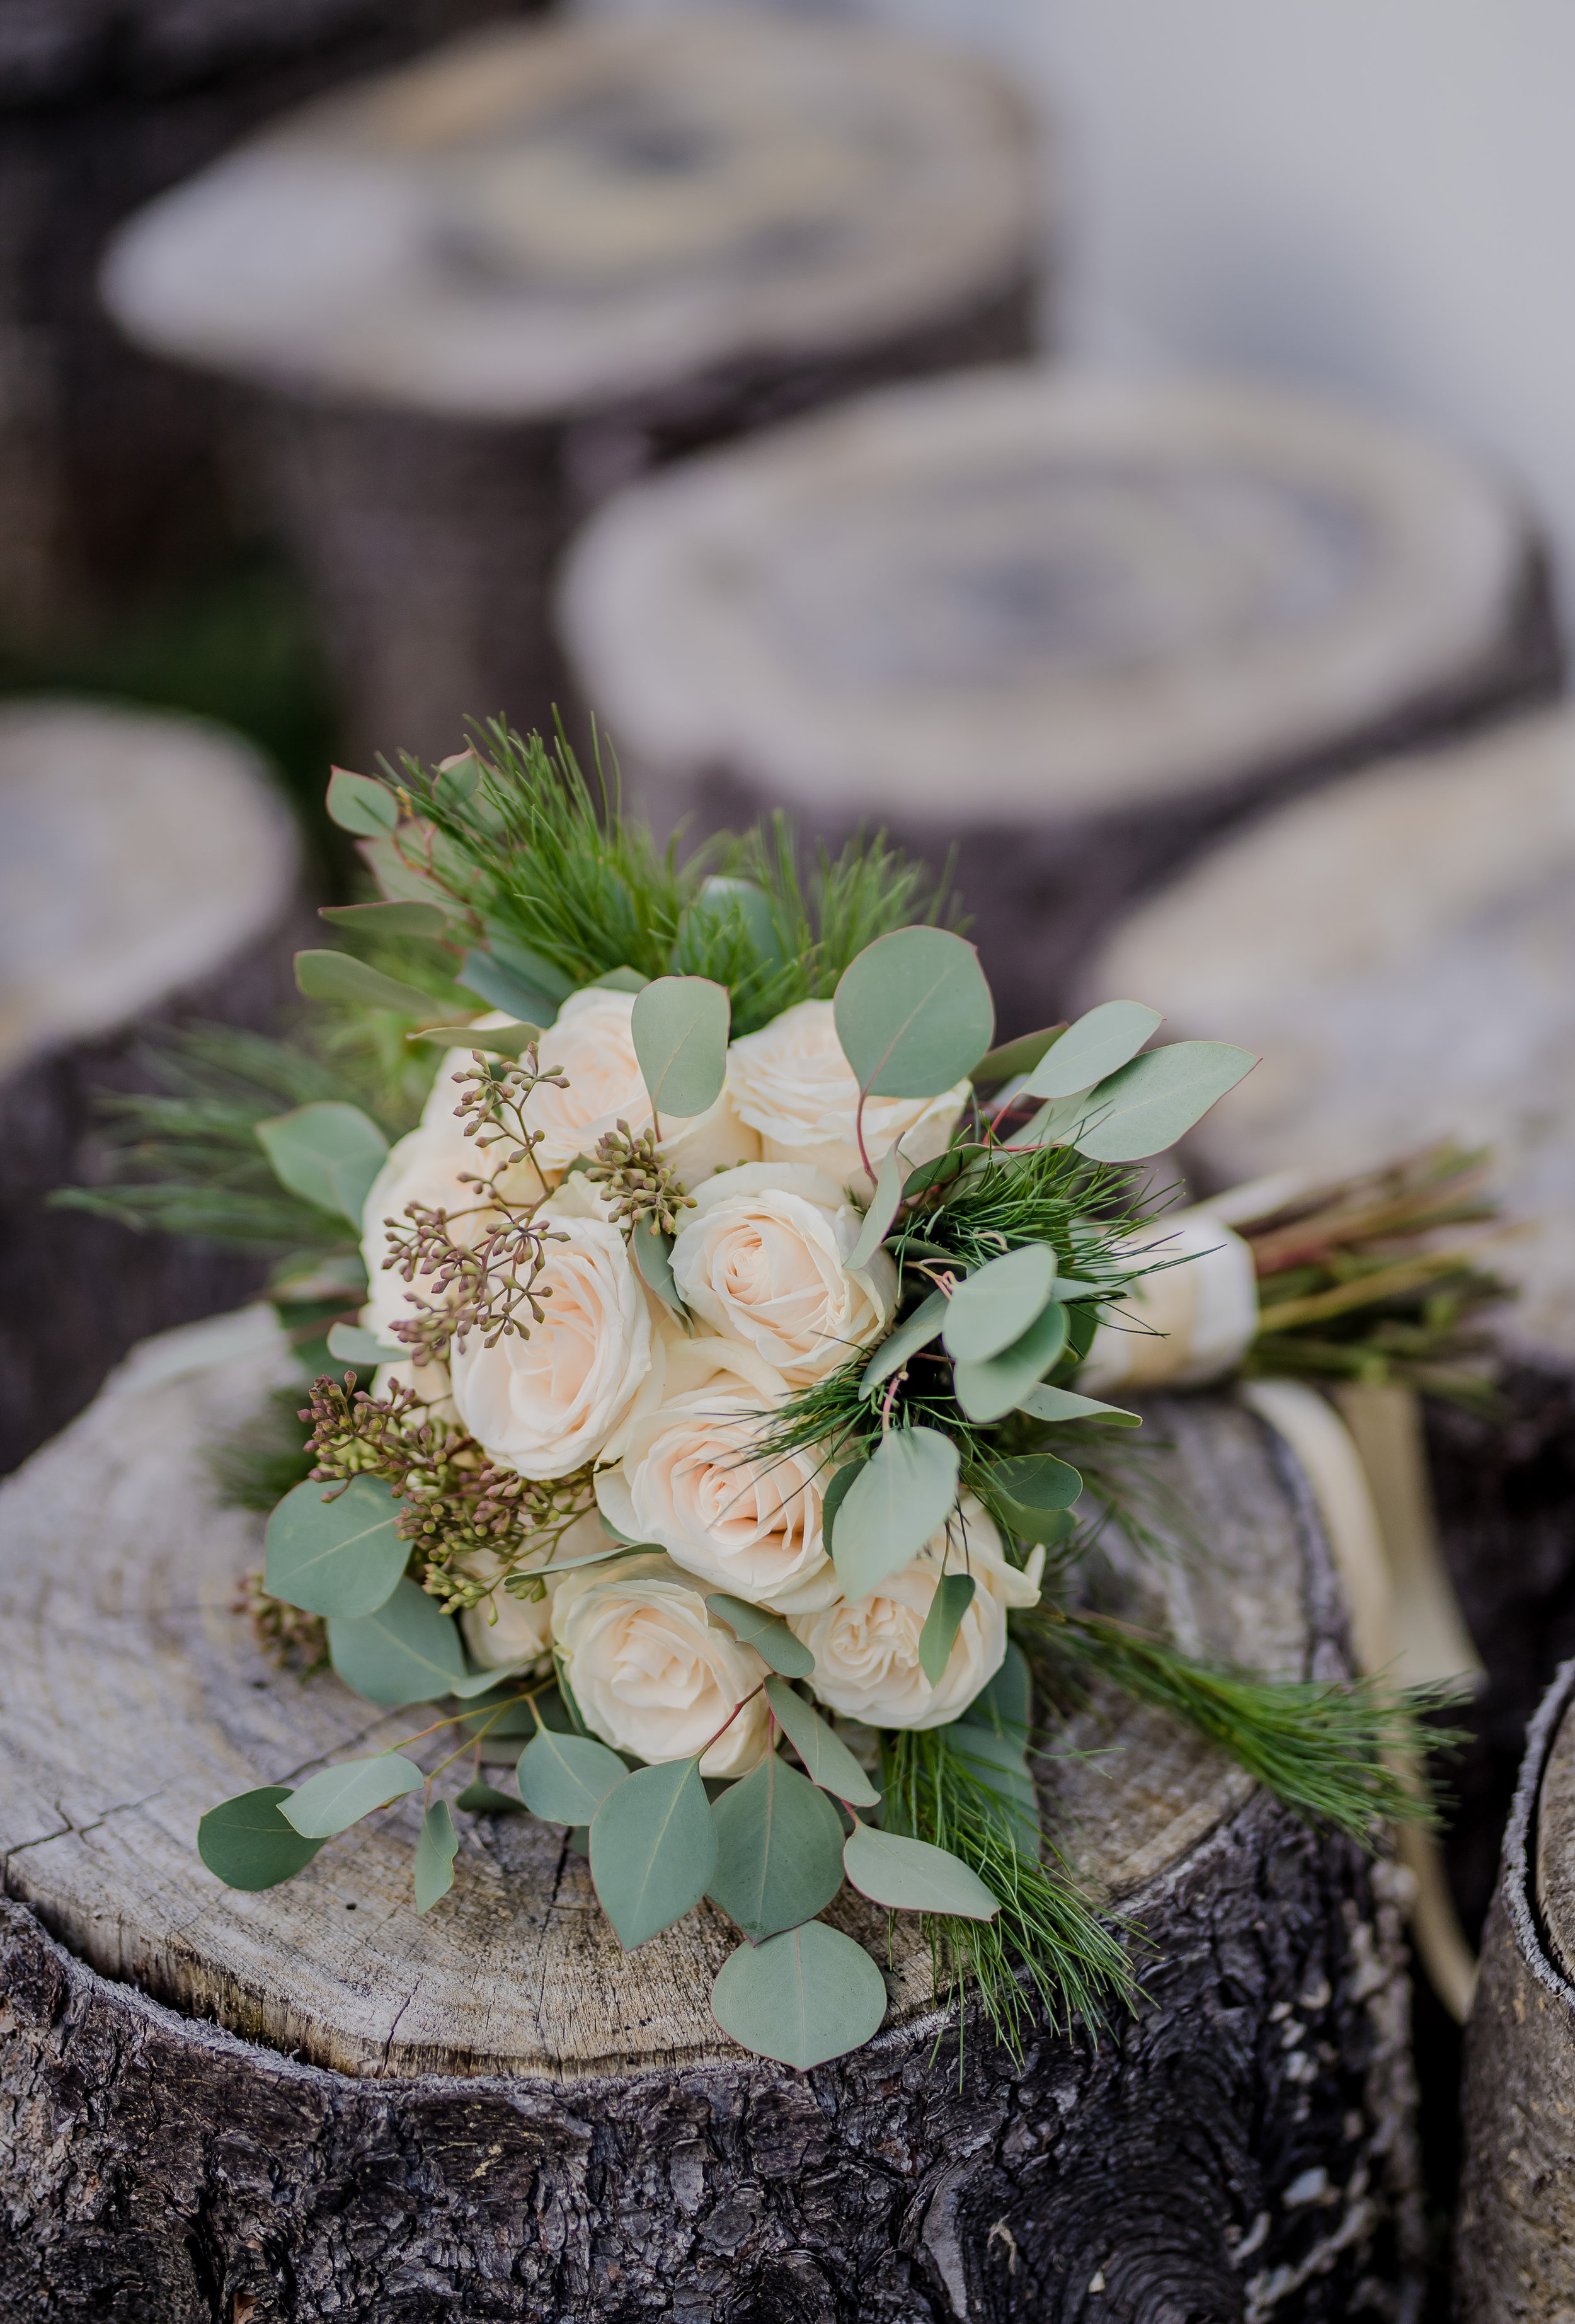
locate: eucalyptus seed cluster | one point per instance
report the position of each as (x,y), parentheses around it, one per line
(492,1107)
(481,1286)
(642,1188)
(288,1638)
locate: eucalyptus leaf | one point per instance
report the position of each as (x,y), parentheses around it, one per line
(491,979)
(1037,1480)
(348,1343)
(327,1153)
(998,1763)
(1065,1404)
(493,1040)
(910,1875)
(652,1253)
(532,967)
(826,1758)
(767,1634)
(913,1013)
(340,976)
(358,804)
(924,1324)
(680,1027)
(1158,1098)
(247,1843)
(564,1778)
(340,1796)
(836,1492)
(952,1598)
(388,919)
(479,1798)
(1015,1058)
(946,1166)
(1006,1704)
(406,1651)
(620,980)
(1095,1046)
(806,1996)
(723,901)
(988,1390)
(780,1850)
(994,1306)
(653,1850)
(434,1853)
(884,1204)
(902,1496)
(335,1549)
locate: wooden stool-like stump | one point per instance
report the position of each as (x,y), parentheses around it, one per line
(149,870)
(1072,626)
(307,2102)
(481,291)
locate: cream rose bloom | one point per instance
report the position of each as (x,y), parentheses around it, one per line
(652,1674)
(502,1630)
(866,1650)
(691,1479)
(592,1044)
(1183,1325)
(762,1259)
(791,1081)
(546,1404)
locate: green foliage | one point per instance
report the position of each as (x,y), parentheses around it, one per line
(564,1778)
(405,1650)
(327,1153)
(914,1013)
(341,1795)
(335,1549)
(767,1634)
(653,1850)
(1099,1042)
(680,1027)
(434,1853)
(902,1496)
(828,1759)
(914,1875)
(247,1843)
(994,1306)
(953,1596)
(1158,1098)
(780,1850)
(803,1997)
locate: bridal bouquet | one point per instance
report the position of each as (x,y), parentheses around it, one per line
(714,1423)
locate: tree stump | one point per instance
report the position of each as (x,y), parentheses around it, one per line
(149,870)
(110,475)
(477,293)
(307,2102)
(1072,625)
(1515,2237)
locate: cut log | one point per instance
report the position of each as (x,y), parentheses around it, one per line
(309,2102)
(483,290)
(1515,2237)
(110,471)
(1072,626)
(149,871)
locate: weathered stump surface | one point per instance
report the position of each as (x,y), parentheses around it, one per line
(1075,626)
(490,2112)
(148,873)
(544,260)
(1515,2241)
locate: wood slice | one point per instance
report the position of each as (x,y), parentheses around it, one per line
(1516,2232)
(482,290)
(111,476)
(309,2102)
(1072,624)
(150,870)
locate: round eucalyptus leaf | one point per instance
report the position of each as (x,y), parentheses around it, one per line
(995,1306)
(564,1778)
(1158,1098)
(802,1998)
(434,1853)
(1095,1046)
(989,1388)
(914,1013)
(909,1876)
(339,1796)
(358,804)
(901,1496)
(406,1651)
(653,1850)
(335,1549)
(779,1850)
(1037,1480)
(680,1027)
(247,1843)
(327,1153)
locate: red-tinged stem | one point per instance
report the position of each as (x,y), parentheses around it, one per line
(727,1723)
(859,1134)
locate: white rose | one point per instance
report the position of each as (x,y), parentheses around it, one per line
(1184,1325)
(546,1404)
(592,1044)
(429,1383)
(866,1649)
(502,1629)
(792,1083)
(691,1481)
(652,1674)
(762,1259)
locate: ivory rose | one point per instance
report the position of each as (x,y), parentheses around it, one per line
(652,1674)
(762,1259)
(691,1480)
(1179,1327)
(592,1044)
(866,1649)
(502,1629)
(547,1403)
(792,1084)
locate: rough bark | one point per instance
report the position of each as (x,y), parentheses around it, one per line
(1074,629)
(619,240)
(491,2112)
(152,878)
(1515,2242)
(111,475)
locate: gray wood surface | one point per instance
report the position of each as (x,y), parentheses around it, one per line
(309,2102)
(1072,625)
